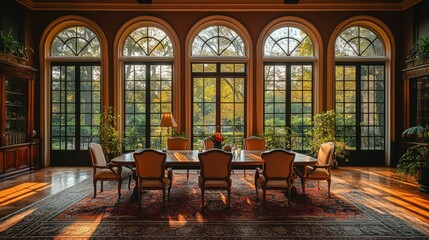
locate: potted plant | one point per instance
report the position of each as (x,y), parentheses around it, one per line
(109,135)
(11,50)
(324,131)
(415,161)
(419,53)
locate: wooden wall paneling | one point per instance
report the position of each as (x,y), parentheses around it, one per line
(10,160)
(23,157)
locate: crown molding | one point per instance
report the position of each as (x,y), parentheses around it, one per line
(216,7)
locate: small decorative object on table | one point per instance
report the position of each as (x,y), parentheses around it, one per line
(227,148)
(217,140)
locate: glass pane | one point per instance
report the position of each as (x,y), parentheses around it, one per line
(288,41)
(148,41)
(218,41)
(359,41)
(76,42)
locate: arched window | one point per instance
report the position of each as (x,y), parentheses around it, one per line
(358,41)
(148,41)
(76,42)
(218,78)
(218,41)
(75,83)
(288,54)
(148,86)
(360,78)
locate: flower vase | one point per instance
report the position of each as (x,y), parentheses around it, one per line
(217,145)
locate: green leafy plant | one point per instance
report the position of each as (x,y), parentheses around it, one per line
(177,133)
(416,134)
(420,50)
(324,131)
(109,135)
(8,45)
(415,157)
(278,140)
(7,42)
(134,139)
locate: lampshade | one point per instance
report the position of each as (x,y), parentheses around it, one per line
(167,120)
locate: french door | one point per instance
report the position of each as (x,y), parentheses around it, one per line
(75,112)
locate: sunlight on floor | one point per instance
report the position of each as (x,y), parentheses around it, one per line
(80,228)
(179,222)
(19,192)
(15,219)
(223,198)
(419,210)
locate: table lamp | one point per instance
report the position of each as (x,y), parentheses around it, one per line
(168,121)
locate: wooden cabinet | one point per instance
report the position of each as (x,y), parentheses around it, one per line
(18,148)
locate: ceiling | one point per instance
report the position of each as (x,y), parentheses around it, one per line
(219,5)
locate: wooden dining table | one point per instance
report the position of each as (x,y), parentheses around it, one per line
(188,159)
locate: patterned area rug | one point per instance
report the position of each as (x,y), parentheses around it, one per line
(349,213)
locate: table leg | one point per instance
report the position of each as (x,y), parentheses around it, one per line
(135,195)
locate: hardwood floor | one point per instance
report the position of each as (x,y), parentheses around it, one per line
(384,183)
(18,192)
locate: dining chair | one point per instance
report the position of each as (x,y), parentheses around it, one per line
(276,173)
(254,143)
(151,173)
(102,171)
(178,143)
(215,172)
(322,169)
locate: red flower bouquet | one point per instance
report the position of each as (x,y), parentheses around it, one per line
(217,140)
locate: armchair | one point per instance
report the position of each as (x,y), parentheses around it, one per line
(322,170)
(105,172)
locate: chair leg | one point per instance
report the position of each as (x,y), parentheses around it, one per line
(187,175)
(244,171)
(303,186)
(139,191)
(101,185)
(318,185)
(119,189)
(129,183)
(202,199)
(288,196)
(329,187)
(94,182)
(256,188)
(264,192)
(163,198)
